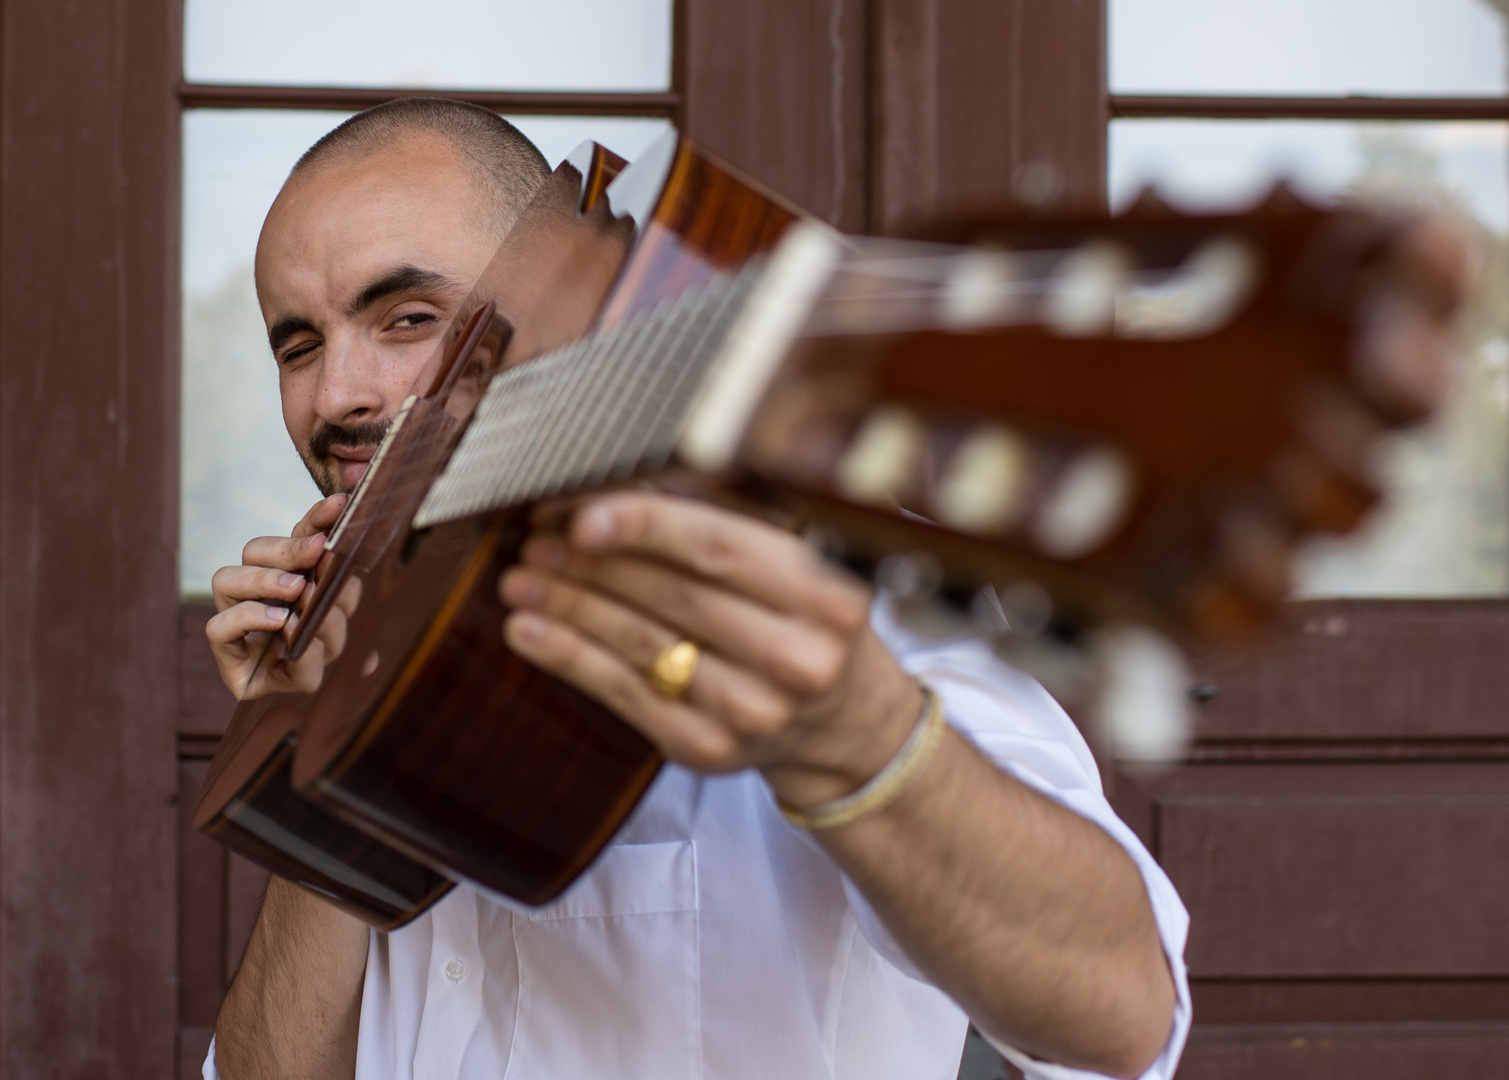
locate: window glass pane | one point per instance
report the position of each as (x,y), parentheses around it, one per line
(472,44)
(240,475)
(1422,47)
(1445,531)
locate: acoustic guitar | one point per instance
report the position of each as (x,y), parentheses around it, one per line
(1060,423)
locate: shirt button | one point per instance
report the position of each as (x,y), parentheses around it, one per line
(454,970)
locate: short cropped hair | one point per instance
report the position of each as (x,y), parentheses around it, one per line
(509,167)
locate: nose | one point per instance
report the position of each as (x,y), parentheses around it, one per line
(350,389)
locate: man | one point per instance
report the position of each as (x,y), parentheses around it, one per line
(713,938)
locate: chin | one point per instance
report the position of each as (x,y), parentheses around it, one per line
(327,477)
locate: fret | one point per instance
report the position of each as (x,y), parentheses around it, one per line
(541,384)
(658,438)
(533,384)
(673,354)
(546,426)
(613,414)
(603,384)
(587,411)
(470,478)
(584,433)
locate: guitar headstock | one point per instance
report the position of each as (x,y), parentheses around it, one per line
(1091,422)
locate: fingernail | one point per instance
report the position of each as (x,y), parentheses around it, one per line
(546,552)
(276,614)
(315,541)
(523,590)
(596,526)
(526,628)
(288,581)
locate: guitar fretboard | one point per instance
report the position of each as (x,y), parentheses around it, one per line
(608,406)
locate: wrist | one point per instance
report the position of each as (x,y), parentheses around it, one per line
(851,752)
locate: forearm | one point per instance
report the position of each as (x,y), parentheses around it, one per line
(1030,916)
(293,1007)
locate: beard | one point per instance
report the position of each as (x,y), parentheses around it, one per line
(322,465)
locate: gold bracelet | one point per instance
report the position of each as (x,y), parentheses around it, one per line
(888,784)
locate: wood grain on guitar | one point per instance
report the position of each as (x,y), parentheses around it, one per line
(1081,438)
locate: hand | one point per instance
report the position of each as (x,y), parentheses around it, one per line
(791,679)
(251,604)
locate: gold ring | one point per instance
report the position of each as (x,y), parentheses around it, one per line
(673,669)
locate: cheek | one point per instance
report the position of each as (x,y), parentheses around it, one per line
(402,366)
(297,390)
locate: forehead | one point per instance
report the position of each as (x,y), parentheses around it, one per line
(332,228)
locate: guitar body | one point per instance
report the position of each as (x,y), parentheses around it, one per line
(249,805)
(428,731)
(248,801)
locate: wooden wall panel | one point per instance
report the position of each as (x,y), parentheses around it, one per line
(204,704)
(88,532)
(219,894)
(1350,1052)
(1338,834)
(979,105)
(1341,870)
(778,89)
(1417,671)
(1021,102)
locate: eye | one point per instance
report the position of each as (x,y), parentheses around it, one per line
(413,319)
(297,352)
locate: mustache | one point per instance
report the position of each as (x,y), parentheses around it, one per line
(327,435)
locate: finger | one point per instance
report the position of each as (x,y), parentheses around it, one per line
(801,656)
(742,700)
(233,584)
(228,629)
(322,515)
(681,733)
(284,552)
(749,556)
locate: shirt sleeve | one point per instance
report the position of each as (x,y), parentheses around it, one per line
(1024,732)
(208,1070)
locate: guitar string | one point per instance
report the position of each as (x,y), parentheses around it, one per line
(611,365)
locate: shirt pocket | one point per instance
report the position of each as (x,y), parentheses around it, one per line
(609,974)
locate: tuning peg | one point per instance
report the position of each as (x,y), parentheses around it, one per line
(983,482)
(1081,299)
(1142,702)
(1085,505)
(984,287)
(883,458)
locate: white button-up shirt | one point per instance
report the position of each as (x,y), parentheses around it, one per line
(712,940)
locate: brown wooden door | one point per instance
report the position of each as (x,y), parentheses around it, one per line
(1338,830)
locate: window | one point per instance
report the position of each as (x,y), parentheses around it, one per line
(1212,103)
(537,64)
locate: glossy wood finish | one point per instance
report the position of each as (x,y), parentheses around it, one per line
(985,104)
(778,89)
(247,802)
(429,732)
(249,805)
(1205,421)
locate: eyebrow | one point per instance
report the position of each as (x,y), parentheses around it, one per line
(400,279)
(405,278)
(286,328)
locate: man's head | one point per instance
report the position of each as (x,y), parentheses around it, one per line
(375,239)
